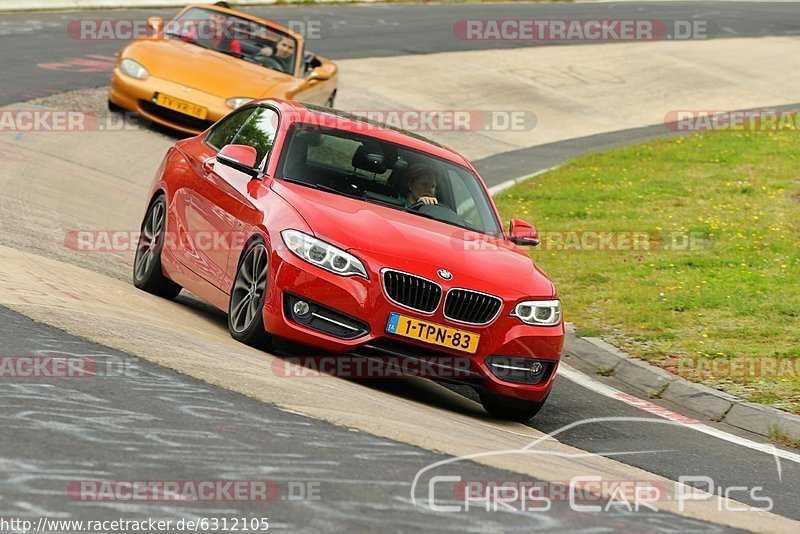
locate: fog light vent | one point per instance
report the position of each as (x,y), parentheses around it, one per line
(301,308)
(322,318)
(519,369)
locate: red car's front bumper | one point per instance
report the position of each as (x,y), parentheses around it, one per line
(365,301)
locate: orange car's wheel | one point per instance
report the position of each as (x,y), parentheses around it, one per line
(147,273)
(113,107)
(245,308)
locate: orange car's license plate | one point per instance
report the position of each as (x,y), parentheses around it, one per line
(182,106)
(433,333)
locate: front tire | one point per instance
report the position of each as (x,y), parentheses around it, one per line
(147,272)
(246,305)
(510,409)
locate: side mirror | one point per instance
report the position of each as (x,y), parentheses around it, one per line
(522,233)
(156,24)
(319,74)
(239,157)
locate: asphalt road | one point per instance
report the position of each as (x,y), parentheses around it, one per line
(48,59)
(143,422)
(156,424)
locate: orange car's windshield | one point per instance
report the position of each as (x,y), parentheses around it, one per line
(246,39)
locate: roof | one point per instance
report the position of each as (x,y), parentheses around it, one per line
(343,120)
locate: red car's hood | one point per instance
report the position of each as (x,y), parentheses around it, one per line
(403,241)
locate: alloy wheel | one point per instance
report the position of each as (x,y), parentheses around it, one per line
(248,289)
(150,241)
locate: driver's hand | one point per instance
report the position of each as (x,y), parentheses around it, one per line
(428,200)
(266,51)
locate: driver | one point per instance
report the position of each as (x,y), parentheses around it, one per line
(419,184)
(283,55)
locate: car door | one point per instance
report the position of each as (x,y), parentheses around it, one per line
(210,214)
(221,200)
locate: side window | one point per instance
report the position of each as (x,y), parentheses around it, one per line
(259,132)
(224,132)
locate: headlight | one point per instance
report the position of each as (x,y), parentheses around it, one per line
(322,254)
(133,69)
(539,312)
(238,101)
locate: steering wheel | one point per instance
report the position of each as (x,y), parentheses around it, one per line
(270,62)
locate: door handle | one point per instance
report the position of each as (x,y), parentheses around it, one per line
(208,165)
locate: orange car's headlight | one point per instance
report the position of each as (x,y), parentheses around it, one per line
(133,69)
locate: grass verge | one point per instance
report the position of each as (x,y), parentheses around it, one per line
(683,252)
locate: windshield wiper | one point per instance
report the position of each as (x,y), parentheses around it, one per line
(463,224)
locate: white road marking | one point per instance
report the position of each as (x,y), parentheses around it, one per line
(514,181)
(591,384)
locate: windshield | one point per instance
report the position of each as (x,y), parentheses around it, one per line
(240,37)
(392,175)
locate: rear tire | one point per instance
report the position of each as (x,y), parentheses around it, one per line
(510,409)
(246,304)
(147,272)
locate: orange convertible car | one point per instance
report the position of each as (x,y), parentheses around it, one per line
(208,61)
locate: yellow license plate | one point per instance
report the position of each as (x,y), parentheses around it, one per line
(433,333)
(182,106)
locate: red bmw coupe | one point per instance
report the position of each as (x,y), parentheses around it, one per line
(315,226)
